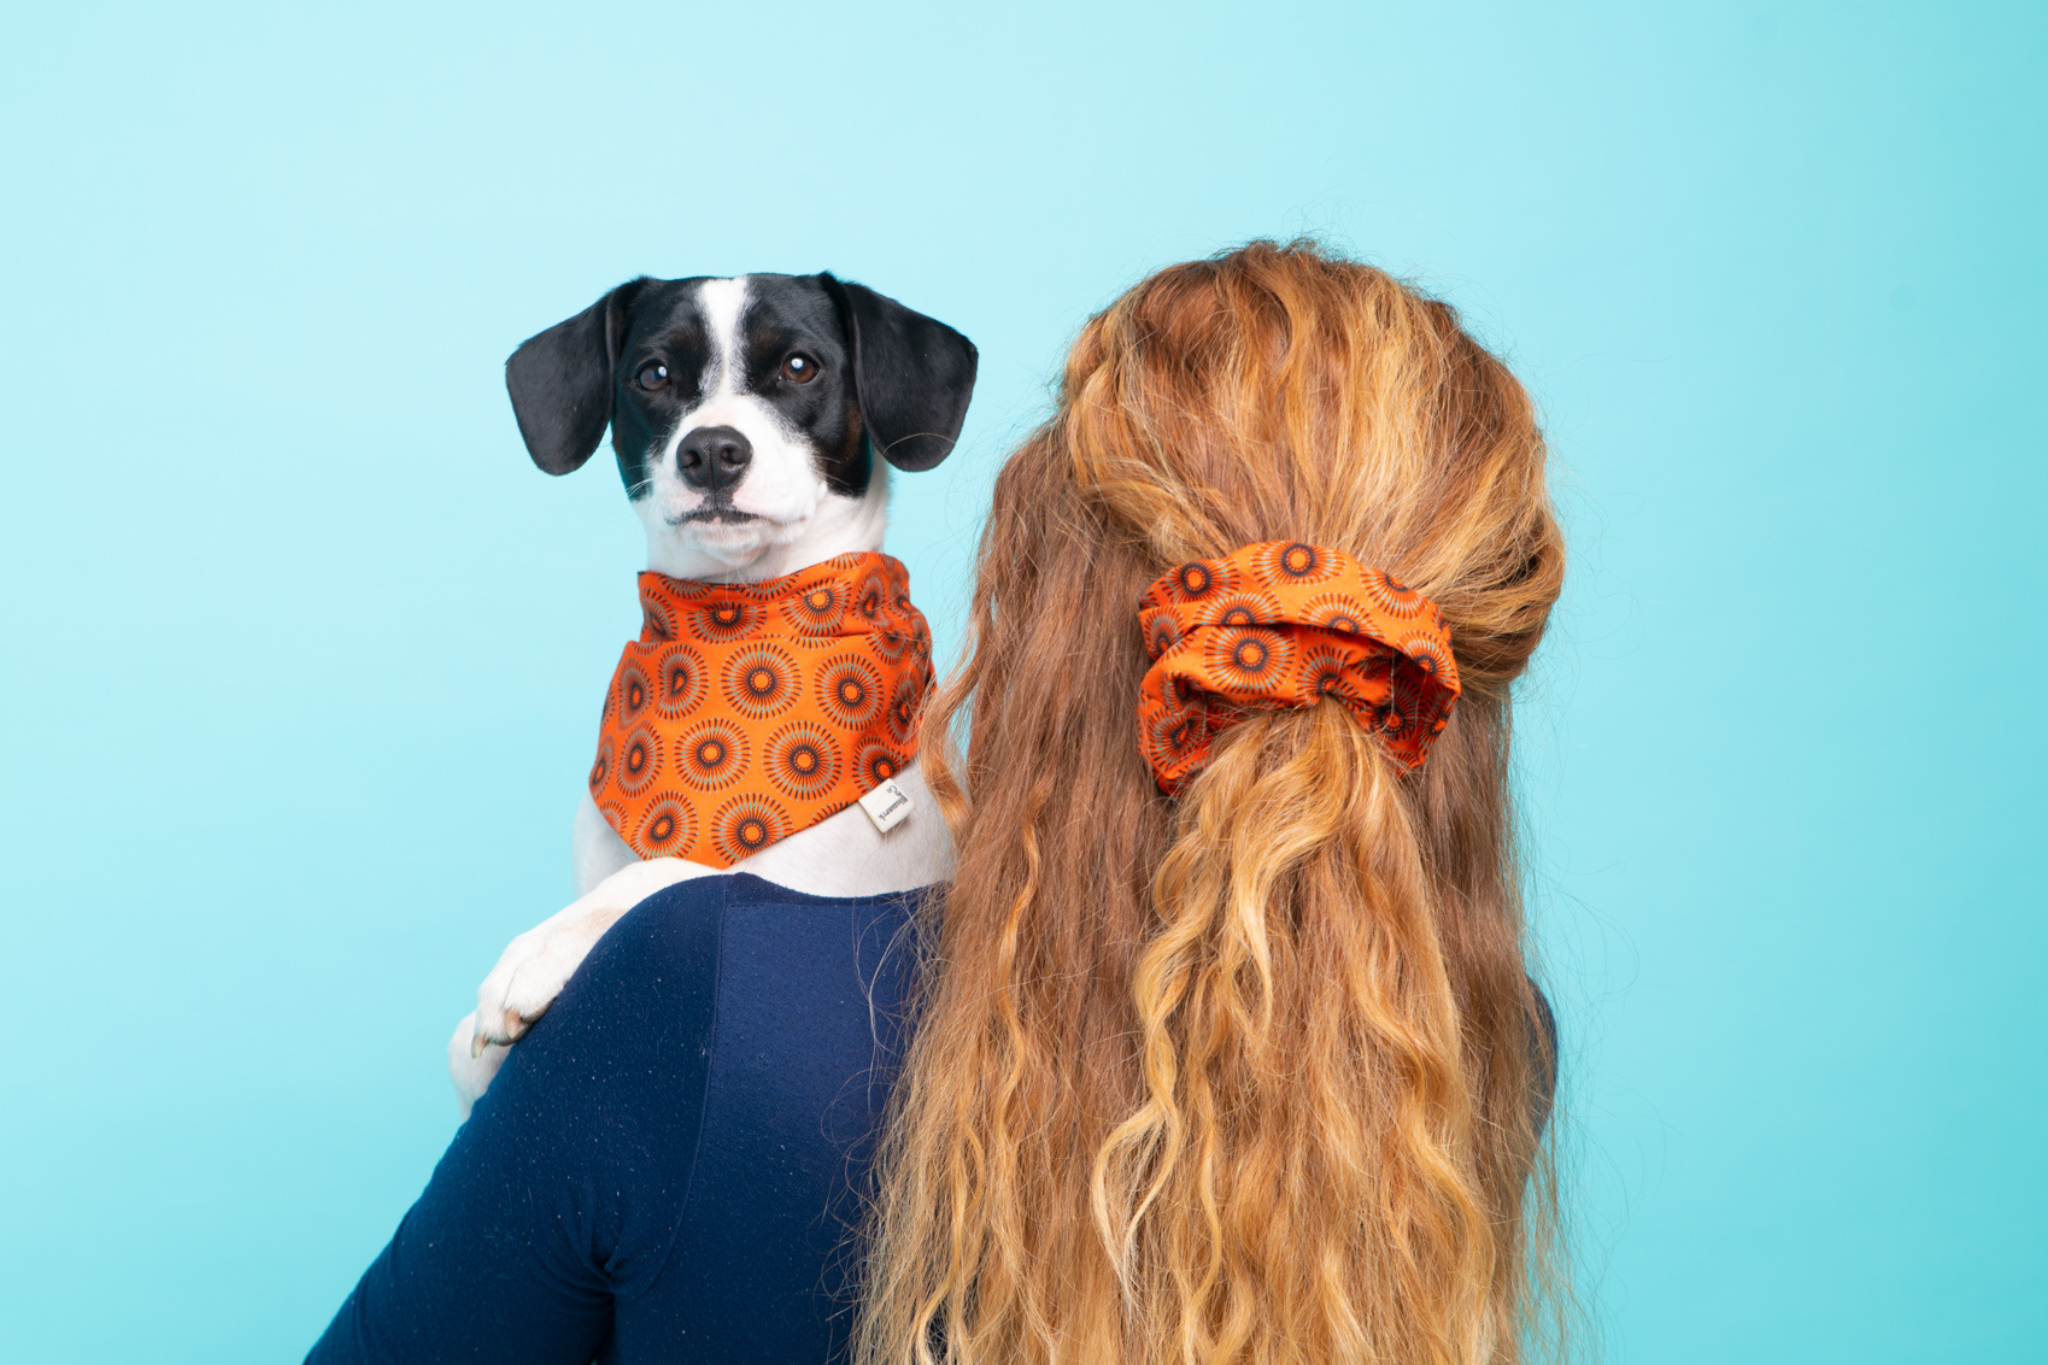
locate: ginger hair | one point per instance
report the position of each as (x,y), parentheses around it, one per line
(1255,1074)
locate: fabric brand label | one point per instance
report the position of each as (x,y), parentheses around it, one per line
(887,806)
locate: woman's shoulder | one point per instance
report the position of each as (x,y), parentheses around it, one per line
(707,1005)
(673,929)
(632,1018)
(673,943)
(699,897)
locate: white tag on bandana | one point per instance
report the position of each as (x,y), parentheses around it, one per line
(887,806)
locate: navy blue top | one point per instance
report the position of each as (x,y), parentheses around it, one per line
(665,1167)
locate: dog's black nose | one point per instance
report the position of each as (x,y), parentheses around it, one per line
(712,458)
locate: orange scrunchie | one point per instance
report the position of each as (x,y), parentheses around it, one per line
(1283,624)
(747,712)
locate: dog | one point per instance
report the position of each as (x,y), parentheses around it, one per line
(755,420)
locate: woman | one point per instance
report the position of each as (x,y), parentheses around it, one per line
(1225,1048)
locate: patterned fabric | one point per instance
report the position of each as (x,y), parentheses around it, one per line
(747,712)
(1287,624)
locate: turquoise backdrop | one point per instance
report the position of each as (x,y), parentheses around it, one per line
(300,658)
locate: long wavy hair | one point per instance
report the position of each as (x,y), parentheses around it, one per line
(1256,1073)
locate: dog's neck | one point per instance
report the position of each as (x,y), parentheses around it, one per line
(754,551)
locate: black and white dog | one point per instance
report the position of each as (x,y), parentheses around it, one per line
(747,415)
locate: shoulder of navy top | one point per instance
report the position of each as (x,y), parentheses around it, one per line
(669,1165)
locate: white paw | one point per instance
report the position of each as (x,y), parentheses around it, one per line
(472,1071)
(532,971)
(535,966)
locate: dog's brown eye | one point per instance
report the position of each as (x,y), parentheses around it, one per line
(652,375)
(799,368)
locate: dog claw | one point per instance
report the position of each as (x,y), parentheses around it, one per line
(477,1044)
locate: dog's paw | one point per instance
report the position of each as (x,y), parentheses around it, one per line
(532,971)
(470,1069)
(535,966)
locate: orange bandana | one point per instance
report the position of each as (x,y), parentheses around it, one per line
(1286,624)
(747,712)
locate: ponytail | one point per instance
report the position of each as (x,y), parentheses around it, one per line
(1306,1098)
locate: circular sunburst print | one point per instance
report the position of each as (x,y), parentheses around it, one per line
(849,691)
(712,754)
(723,619)
(759,682)
(679,681)
(630,692)
(802,760)
(666,829)
(745,825)
(1248,661)
(816,610)
(639,760)
(877,763)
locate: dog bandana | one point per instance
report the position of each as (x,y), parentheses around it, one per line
(747,712)
(1283,624)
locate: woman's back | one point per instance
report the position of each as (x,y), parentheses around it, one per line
(665,1168)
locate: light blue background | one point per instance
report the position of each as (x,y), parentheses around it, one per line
(300,657)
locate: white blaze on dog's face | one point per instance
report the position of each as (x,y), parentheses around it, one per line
(746,412)
(739,487)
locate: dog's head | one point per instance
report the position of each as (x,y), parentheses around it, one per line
(746,412)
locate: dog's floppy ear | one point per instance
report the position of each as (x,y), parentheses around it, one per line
(912,375)
(561,381)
